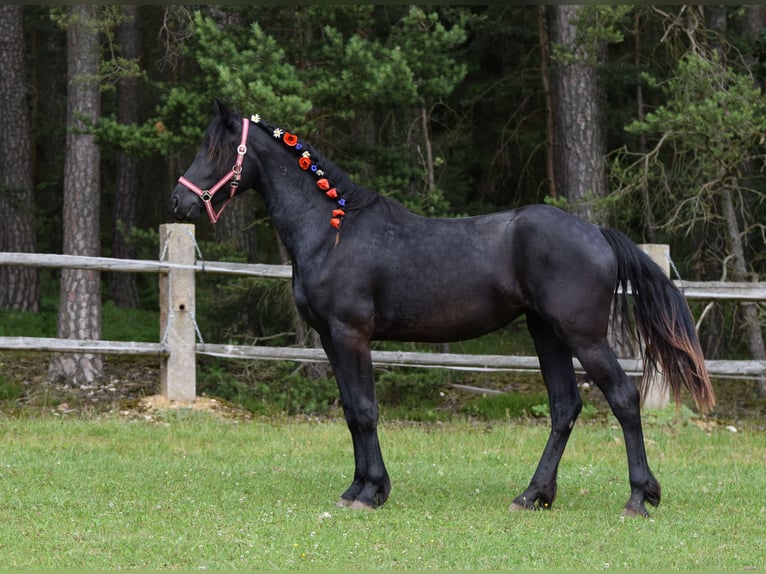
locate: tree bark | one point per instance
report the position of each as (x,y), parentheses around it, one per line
(80,290)
(649,223)
(550,134)
(19,286)
(749,311)
(429,157)
(580,142)
(124,286)
(237,227)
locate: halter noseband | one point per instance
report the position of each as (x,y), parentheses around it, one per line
(232,177)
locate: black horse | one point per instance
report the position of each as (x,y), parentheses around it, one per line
(365,268)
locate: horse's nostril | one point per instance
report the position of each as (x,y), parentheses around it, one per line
(175,203)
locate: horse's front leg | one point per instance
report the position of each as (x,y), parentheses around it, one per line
(349,355)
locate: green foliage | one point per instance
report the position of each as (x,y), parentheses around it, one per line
(28,324)
(508,406)
(597,25)
(516,405)
(10,390)
(417,389)
(269,388)
(250,69)
(707,132)
(118,324)
(428,47)
(362,74)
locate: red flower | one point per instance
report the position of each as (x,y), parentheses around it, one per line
(332,193)
(290,139)
(304,162)
(323,184)
(335,222)
(338,213)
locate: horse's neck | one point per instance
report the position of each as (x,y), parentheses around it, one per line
(298,210)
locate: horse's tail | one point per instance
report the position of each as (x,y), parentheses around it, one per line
(663,322)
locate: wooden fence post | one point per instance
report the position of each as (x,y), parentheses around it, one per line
(177,307)
(657,394)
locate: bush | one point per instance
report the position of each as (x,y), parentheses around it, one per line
(267,387)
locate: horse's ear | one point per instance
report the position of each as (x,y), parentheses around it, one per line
(220,108)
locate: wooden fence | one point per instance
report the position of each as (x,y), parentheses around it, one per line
(178,346)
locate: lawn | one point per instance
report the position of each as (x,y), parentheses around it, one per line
(191,491)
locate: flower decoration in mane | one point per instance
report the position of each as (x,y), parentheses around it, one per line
(306,163)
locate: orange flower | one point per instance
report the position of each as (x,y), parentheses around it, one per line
(332,193)
(304,162)
(335,222)
(323,184)
(290,139)
(338,213)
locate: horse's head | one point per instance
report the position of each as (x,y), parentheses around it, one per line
(217,174)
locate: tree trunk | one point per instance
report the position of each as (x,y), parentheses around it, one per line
(237,227)
(649,224)
(19,286)
(749,311)
(124,287)
(428,160)
(550,135)
(80,290)
(579,146)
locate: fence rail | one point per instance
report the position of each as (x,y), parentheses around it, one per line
(455,361)
(692,290)
(178,266)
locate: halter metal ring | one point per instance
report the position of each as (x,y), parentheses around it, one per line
(241,149)
(206,195)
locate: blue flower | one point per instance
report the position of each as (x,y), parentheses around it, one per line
(341,202)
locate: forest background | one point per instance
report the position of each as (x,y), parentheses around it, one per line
(647,118)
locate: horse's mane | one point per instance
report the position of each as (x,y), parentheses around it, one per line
(218,142)
(222,149)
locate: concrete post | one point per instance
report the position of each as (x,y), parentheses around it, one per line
(177,308)
(657,393)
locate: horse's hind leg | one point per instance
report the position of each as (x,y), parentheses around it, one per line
(624,400)
(565,405)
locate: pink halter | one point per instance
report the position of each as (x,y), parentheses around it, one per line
(232,177)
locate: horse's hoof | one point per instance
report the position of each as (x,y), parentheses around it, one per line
(359,505)
(635,512)
(516,507)
(344,503)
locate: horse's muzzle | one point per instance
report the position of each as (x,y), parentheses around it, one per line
(186,206)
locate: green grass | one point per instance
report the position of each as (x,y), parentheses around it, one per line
(192,492)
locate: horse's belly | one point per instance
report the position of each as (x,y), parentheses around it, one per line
(443,321)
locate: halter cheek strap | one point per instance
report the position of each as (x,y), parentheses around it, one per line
(233,178)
